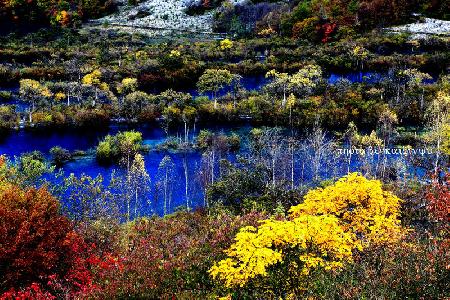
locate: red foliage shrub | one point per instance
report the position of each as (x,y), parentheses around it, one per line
(40,254)
(438,200)
(33,292)
(166,257)
(35,239)
(328,29)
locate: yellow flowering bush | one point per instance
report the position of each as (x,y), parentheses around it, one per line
(175,53)
(92,78)
(361,205)
(59,96)
(226,44)
(322,232)
(255,249)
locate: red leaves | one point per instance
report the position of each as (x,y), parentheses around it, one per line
(163,257)
(328,29)
(40,253)
(32,235)
(33,292)
(438,200)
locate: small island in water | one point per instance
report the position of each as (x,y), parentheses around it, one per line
(224,149)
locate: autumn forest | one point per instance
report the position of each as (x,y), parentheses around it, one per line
(224,149)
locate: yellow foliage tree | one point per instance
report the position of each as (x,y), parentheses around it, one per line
(34,93)
(361,205)
(94,79)
(226,44)
(175,53)
(322,232)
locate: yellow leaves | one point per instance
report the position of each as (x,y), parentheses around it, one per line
(446,142)
(30,87)
(226,44)
(92,78)
(360,52)
(256,249)
(141,55)
(361,205)
(128,85)
(307,76)
(267,32)
(129,82)
(323,232)
(291,101)
(103,86)
(276,75)
(45,92)
(59,96)
(174,53)
(63,18)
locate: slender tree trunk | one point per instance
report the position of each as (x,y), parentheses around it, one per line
(165,194)
(273,171)
(349,158)
(96,97)
(185,132)
(292,168)
(186,181)
(436,163)
(212,165)
(135,202)
(398,94)
(421,99)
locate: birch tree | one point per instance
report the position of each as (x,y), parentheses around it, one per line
(439,123)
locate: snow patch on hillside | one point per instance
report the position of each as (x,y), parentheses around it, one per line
(159,14)
(425,28)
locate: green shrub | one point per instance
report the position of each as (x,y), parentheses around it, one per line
(122,146)
(60,155)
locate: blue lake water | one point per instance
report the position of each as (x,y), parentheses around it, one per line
(21,141)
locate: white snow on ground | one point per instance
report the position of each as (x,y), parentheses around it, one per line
(422,29)
(162,14)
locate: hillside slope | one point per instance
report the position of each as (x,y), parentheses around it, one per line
(159,14)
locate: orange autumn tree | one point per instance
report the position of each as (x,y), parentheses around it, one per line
(40,252)
(321,233)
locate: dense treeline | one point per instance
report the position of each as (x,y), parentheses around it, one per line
(318,20)
(16,15)
(113,78)
(315,20)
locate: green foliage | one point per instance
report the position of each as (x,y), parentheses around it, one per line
(60,155)
(123,145)
(31,167)
(213,80)
(244,188)
(8,118)
(206,139)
